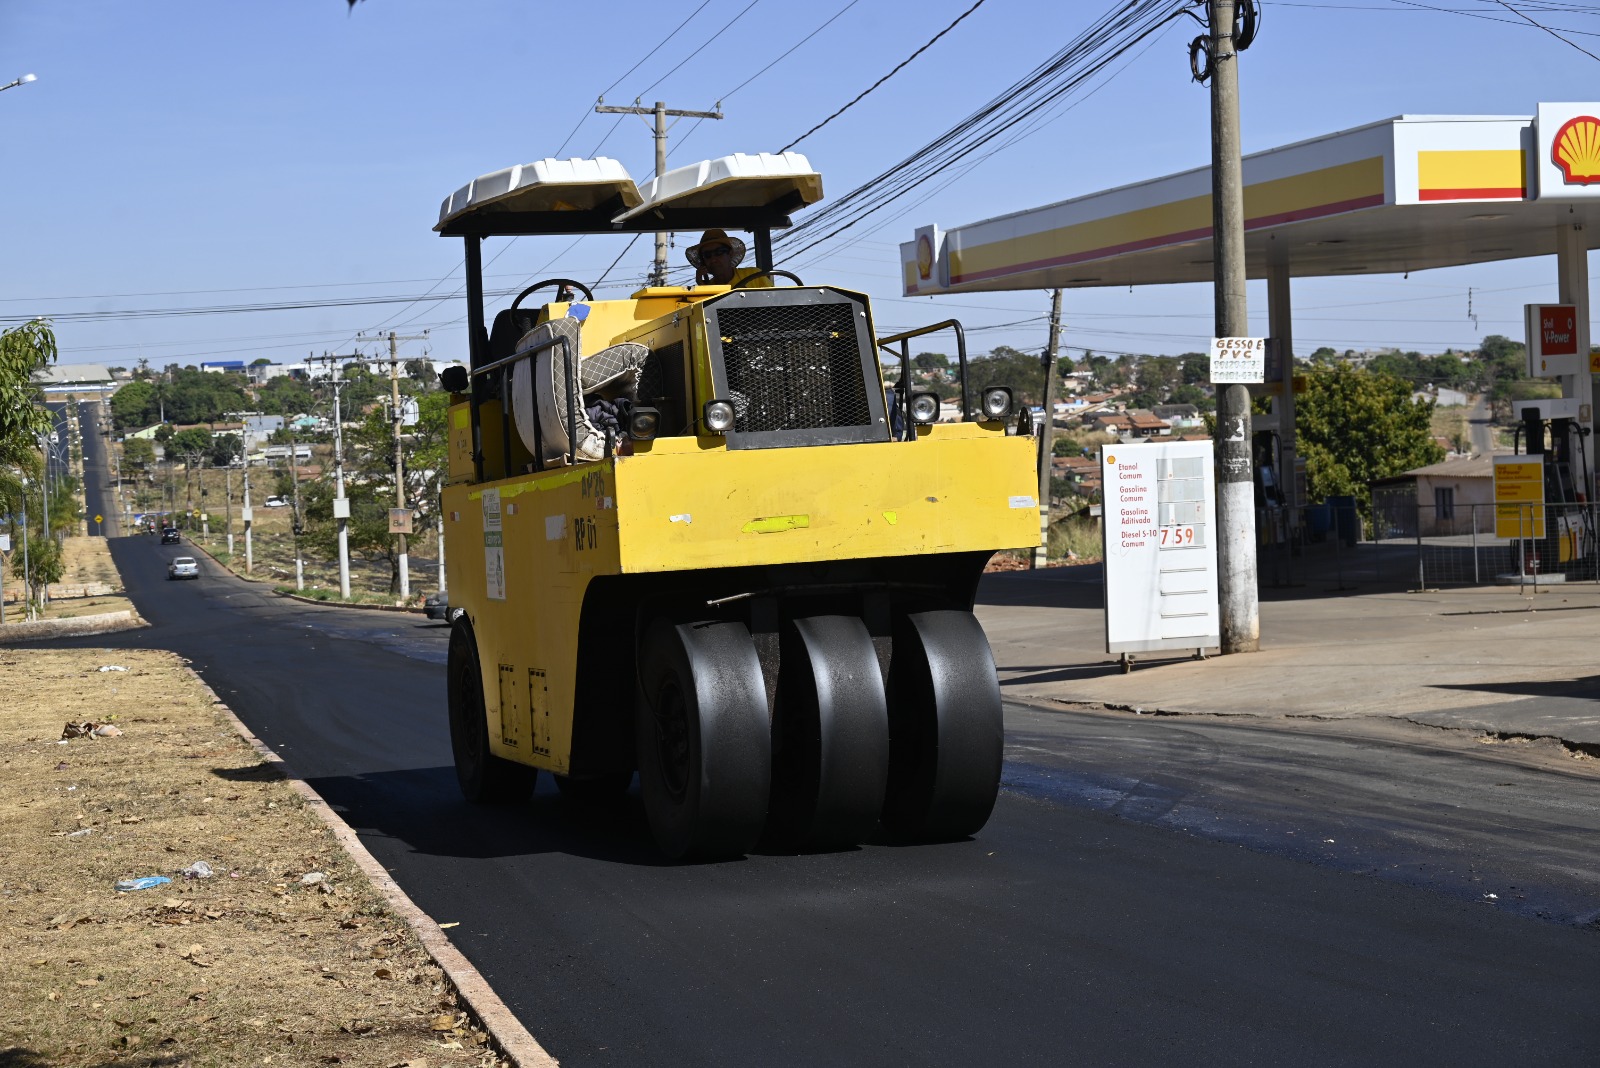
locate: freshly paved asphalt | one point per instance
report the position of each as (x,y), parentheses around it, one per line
(1150,890)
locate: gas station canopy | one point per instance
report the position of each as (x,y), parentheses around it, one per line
(1404,194)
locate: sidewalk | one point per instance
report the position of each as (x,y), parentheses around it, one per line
(1489,658)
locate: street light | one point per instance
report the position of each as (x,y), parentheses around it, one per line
(24,80)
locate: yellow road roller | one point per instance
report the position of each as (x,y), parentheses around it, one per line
(701,535)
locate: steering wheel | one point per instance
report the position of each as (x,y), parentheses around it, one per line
(744,282)
(579,286)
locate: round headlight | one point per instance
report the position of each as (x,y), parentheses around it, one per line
(924,407)
(996,402)
(718,416)
(644,423)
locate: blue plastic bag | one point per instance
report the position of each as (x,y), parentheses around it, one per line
(142,884)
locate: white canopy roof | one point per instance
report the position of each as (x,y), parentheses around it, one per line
(578,196)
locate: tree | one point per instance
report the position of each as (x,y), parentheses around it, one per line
(1355,426)
(133,406)
(930,361)
(138,452)
(224,448)
(24,350)
(193,442)
(370,466)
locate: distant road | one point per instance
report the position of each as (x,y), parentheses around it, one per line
(1480,426)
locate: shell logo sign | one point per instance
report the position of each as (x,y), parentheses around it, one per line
(924,257)
(1575,149)
(1567,151)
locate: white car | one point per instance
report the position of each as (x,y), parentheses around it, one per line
(183,567)
(276,502)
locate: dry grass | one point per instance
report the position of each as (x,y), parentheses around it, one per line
(85,560)
(251,966)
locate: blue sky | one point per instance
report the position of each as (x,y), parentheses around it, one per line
(188,155)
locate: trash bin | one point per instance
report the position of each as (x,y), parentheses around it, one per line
(1346,520)
(1319,520)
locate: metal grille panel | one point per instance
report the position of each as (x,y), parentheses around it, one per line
(793,367)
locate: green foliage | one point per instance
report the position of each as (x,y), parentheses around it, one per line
(164,433)
(138,452)
(930,361)
(131,404)
(24,350)
(191,444)
(368,531)
(224,447)
(369,472)
(179,395)
(1355,426)
(285,395)
(1193,394)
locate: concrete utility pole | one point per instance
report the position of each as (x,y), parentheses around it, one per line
(1047,433)
(658,274)
(439,514)
(1236,506)
(294,476)
(399,461)
(249,523)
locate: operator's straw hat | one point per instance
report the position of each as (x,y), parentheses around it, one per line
(715,237)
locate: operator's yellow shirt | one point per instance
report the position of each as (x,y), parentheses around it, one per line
(741,273)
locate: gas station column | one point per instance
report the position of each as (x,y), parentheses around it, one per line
(1572,273)
(1280,327)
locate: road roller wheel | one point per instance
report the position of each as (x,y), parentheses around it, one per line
(485,778)
(830,735)
(946,734)
(704,746)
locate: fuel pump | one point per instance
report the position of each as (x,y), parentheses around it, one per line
(1568,529)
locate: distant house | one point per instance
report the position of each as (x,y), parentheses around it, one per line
(1178,415)
(73,377)
(1452,497)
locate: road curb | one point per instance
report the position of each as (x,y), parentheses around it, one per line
(45,629)
(301,597)
(505,1031)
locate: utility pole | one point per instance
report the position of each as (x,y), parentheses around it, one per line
(399,462)
(294,476)
(658,274)
(249,522)
(1047,435)
(1236,506)
(341,504)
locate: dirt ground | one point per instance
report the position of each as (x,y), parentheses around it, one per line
(285,954)
(85,561)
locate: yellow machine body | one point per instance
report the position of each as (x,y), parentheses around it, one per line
(525,547)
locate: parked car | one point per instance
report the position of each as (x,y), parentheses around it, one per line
(170,536)
(276,502)
(183,567)
(437,606)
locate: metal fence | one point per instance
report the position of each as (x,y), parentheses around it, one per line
(1416,546)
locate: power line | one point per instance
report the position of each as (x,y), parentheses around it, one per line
(630,70)
(1109,38)
(1548,30)
(883,79)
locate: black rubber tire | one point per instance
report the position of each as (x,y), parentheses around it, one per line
(830,735)
(595,789)
(485,778)
(946,728)
(704,745)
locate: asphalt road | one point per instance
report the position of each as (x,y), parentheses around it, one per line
(1148,891)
